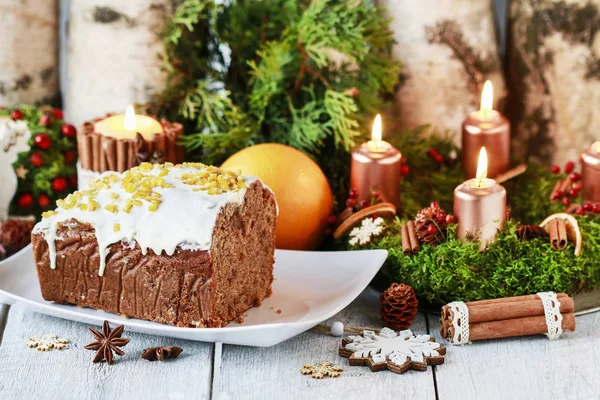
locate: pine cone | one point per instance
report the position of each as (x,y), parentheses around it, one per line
(431,224)
(15,233)
(399,305)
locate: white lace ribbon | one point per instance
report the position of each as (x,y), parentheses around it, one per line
(460,322)
(552,312)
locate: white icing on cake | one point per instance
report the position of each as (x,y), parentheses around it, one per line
(85,176)
(186,213)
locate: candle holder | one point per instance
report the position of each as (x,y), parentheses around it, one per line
(590,174)
(491,131)
(377,170)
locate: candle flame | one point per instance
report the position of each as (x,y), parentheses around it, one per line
(482,165)
(487,97)
(130,118)
(376,131)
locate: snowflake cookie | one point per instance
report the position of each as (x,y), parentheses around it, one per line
(47,342)
(321,370)
(396,351)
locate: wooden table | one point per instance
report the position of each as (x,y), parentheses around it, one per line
(527,368)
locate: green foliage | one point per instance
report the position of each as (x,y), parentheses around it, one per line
(509,267)
(303,73)
(38,180)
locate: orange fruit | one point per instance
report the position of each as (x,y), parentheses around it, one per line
(301,190)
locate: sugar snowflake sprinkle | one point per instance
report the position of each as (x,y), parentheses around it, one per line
(369,227)
(47,342)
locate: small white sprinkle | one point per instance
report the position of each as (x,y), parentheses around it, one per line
(337,328)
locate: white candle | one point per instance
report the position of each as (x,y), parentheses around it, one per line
(126,126)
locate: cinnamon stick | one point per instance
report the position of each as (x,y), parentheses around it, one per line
(511,173)
(132,156)
(558,234)
(122,156)
(87,152)
(521,309)
(406,247)
(110,152)
(412,233)
(514,327)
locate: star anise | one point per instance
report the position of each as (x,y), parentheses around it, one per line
(528,232)
(106,342)
(161,353)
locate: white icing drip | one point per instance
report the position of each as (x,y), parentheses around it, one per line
(85,176)
(184,216)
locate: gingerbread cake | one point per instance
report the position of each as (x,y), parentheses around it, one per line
(187,245)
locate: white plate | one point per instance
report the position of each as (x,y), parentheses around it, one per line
(309,287)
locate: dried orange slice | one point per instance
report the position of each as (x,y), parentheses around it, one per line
(573,231)
(381,209)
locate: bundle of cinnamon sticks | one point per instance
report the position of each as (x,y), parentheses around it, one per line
(410,241)
(508,317)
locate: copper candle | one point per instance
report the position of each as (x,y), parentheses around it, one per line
(376,166)
(480,206)
(590,174)
(486,128)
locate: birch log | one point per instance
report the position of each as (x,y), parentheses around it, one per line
(554,77)
(114,55)
(449,49)
(28,51)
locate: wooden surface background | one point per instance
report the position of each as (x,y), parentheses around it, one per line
(526,368)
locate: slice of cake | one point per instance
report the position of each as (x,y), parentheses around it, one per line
(187,245)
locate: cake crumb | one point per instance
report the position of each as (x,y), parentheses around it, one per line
(278,311)
(271,308)
(239,320)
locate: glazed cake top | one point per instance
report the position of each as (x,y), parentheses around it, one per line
(159,206)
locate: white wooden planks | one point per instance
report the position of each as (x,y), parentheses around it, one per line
(524,368)
(274,372)
(69,374)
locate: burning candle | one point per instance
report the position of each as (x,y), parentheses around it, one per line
(126,126)
(590,173)
(480,206)
(486,128)
(376,166)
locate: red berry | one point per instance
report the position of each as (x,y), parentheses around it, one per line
(16,114)
(574,177)
(68,130)
(566,201)
(569,167)
(404,170)
(42,141)
(557,194)
(43,200)
(328,231)
(580,211)
(375,216)
(57,112)
(45,120)
(577,186)
(24,200)
(350,203)
(353,194)
(376,194)
(36,159)
(588,206)
(555,169)
(432,153)
(573,193)
(596,208)
(450,219)
(440,217)
(73,181)
(59,184)
(432,229)
(364,204)
(69,157)
(332,219)
(439,159)
(434,204)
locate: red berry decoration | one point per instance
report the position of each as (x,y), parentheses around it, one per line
(577,186)
(364,204)
(353,194)
(566,201)
(450,219)
(376,194)
(573,193)
(332,219)
(68,130)
(43,200)
(59,184)
(36,159)
(328,231)
(555,169)
(25,200)
(57,113)
(69,157)
(569,167)
(439,159)
(45,120)
(580,211)
(42,141)
(350,203)
(16,114)
(433,153)
(575,177)
(432,229)
(596,208)
(557,195)
(73,181)
(404,170)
